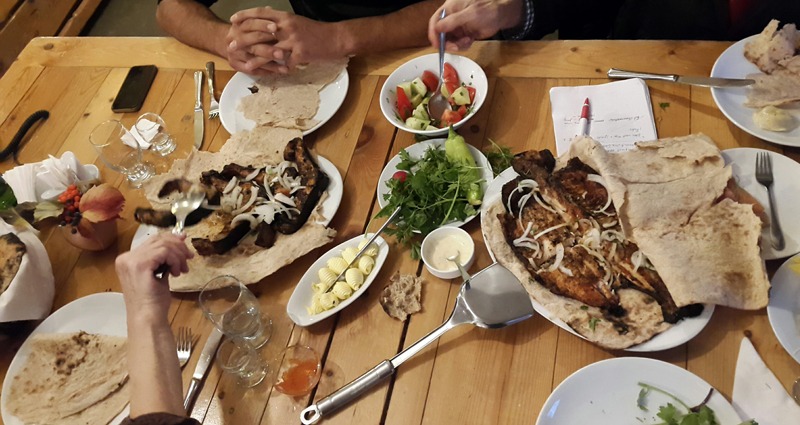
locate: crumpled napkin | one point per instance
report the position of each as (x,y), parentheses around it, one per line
(44,181)
(141,133)
(30,295)
(757,393)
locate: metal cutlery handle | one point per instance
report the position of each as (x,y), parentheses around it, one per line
(775,227)
(371,240)
(198,88)
(441,49)
(193,386)
(619,73)
(210,76)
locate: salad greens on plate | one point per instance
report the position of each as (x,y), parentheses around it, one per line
(681,414)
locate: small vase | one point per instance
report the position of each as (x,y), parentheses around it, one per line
(104,235)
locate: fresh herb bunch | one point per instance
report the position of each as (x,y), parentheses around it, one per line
(672,415)
(432,193)
(499,158)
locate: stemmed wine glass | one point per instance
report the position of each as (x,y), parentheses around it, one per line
(120,151)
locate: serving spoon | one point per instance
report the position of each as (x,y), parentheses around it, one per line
(461,269)
(438,103)
(181,208)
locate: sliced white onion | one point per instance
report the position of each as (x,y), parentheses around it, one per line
(559,258)
(610,224)
(235,192)
(245,217)
(265,212)
(610,235)
(206,205)
(285,199)
(591,239)
(252,175)
(245,207)
(267,188)
(231,184)
(597,178)
(548,230)
(296,189)
(239,200)
(539,201)
(565,270)
(637,259)
(613,251)
(523,184)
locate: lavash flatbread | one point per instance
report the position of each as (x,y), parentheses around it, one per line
(666,192)
(644,317)
(71,379)
(291,100)
(248,262)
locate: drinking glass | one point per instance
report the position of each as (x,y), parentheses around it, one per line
(152,128)
(119,150)
(237,357)
(234,310)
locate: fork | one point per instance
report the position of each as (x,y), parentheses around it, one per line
(213,109)
(764,177)
(184,343)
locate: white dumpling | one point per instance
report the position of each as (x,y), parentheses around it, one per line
(327,276)
(371,251)
(349,254)
(354,278)
(366,264)
(337,264)
(342,290)
(328,300)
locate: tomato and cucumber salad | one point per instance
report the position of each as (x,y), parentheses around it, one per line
(413,97)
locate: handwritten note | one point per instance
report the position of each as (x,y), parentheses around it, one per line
(619,116)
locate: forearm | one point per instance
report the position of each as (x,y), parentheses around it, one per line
(193,24)
(383,33)
(154,372)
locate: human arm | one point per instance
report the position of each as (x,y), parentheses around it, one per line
(153,369)
(470,20)
(312,41)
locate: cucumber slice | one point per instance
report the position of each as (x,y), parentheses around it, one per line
(431,128)
(406,89)
(421,112)
(416,100)
(426,100)
(419,87)
(416,123)
(461,96)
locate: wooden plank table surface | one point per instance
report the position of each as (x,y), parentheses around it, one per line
(471,375)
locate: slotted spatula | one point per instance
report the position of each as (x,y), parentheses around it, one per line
(493,298)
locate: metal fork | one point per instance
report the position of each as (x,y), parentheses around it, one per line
(764,177)
(213,109)
(184,342)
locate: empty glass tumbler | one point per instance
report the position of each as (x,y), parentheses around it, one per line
(151,128)
(119,150)
(234,310)
(237,357)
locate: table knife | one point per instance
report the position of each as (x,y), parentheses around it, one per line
(202,365)
(692,81)
(198,110)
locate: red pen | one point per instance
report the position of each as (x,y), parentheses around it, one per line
(584,118)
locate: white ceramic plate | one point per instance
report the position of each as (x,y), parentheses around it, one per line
(469,72)
(606,393)
(784,308)
(329,206)
(330,100)
(302,295)
(676,335)
(732,64)
(102,313)
(417,151)
(786,190)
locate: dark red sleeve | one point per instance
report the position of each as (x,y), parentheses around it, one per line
(160,419)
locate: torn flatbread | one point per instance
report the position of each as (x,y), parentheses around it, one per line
(779,88)
(73,379)
(772,46)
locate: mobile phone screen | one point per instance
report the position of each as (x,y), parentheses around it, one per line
(134,89)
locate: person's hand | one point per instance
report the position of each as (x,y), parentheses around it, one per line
(305,40)
(470,20)
(241,38)
(144,294)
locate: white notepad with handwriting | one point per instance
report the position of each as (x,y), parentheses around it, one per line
(620,114)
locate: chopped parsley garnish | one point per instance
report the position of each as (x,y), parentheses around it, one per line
(593,322)
(499,158)
(663,105)
(584,307)
(671,414)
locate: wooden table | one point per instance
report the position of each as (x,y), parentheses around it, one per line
(470,376)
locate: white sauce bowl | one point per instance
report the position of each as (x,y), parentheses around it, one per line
(429,243)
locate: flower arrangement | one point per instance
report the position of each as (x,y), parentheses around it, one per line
(96,204)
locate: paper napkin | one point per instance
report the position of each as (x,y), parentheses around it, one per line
(757,393)
(30,295)
(141,133)
(621,114)
(44,181)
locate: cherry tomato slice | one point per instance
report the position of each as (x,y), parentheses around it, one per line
(450,75)
(471,92)
(450,117)
(400,175)
(404,108)
(462,111)
(430,80)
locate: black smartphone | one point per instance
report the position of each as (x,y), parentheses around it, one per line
(131,95)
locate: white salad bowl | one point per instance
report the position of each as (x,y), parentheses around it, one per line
(303,294)
(469,72)
(427,251)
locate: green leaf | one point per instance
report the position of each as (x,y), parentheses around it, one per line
(667,414)
(499,157)
(593,322)
(45,210)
